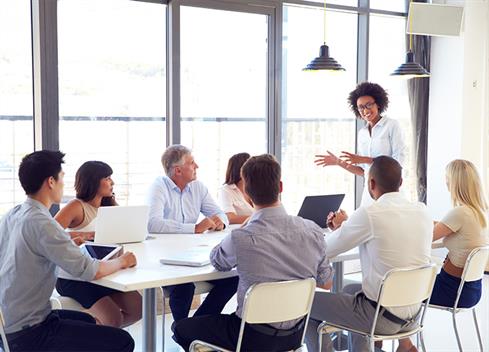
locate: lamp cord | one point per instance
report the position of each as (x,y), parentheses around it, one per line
(324,22)
(410,27)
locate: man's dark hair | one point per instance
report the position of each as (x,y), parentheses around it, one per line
(387,173)
(37,167)
(372,90)
(233,172)
(261,175)
(87,180)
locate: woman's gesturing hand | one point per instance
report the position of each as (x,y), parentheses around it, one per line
(326,160)
(351,158)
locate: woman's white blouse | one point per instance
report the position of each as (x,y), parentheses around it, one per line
(231,200)
(386,139)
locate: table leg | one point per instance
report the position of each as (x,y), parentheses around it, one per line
(149,320)
(338,277)
(340,341)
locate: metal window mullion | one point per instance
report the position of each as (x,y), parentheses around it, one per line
(274,83)
(173,106)
(362,75)
(45,74)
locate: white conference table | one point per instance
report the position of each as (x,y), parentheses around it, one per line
(149,274)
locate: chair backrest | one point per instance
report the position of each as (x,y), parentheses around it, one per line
(2,333)
(475,264)
(273,302)
(406,286)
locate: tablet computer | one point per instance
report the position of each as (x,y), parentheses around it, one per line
(317,208)
(100,251)
(190,257)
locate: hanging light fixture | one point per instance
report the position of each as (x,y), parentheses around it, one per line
(410,69)
(324,61)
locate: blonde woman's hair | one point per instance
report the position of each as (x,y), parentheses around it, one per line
(465,188)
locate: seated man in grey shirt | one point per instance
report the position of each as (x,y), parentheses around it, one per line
(273,246)
(32,244)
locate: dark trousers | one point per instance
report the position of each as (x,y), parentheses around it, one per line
(223,330)
(181,298)
(66,330)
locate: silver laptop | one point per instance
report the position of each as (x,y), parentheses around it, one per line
(121,224)
(189,257)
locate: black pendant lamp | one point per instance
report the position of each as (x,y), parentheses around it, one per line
(410,69)
(324,62)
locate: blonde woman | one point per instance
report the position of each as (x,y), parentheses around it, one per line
(462,229)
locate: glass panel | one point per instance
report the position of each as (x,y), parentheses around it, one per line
(112,90)
(16,129)
(389,5)
(316,116)
(224,87)
(338,2)
(388,32)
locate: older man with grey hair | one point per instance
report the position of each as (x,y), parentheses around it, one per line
(175,204)
(177,199)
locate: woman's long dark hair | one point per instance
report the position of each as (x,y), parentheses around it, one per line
(233,172)
(87,181)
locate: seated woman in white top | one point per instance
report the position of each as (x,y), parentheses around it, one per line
(231,197)
(94,185)
(462,229)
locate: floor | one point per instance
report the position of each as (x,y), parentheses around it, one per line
(439,335)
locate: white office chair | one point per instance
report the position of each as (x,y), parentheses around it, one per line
(2,332)
(62,302)
(473,270)
(271,302)
(399,287)
(200,288)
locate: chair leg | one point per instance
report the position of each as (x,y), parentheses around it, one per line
(320,342)
(477,329)
(421,340)
(456,332)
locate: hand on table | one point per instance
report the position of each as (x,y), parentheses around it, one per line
(128,260)
(205,225)
(218,222)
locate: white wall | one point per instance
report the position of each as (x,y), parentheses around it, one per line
(458,122)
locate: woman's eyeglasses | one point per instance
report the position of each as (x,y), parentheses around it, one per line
(367,106)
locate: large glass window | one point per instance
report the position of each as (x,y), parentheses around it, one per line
(315,113)
(339,2)
(16,128)
(389,32)
(223,87)
(389,5)
(112,85)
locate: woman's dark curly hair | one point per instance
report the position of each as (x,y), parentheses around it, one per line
(368,89)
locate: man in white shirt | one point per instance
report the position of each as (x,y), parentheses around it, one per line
(390,233)
(176,201)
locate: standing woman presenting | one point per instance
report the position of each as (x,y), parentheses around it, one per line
(380,135)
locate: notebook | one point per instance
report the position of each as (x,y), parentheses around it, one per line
(121,224)
(189,257)
(317,208)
